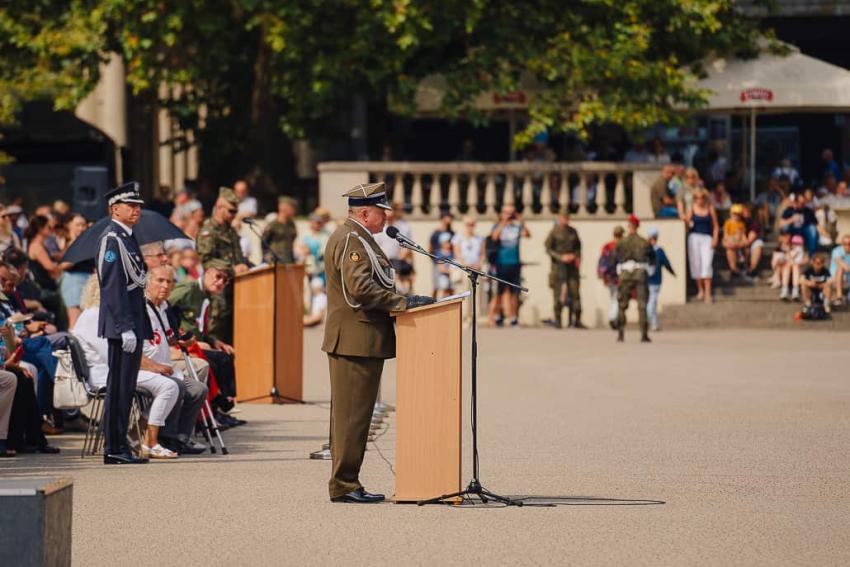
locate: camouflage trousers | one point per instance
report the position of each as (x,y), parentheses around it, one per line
(565,293)
(632,280)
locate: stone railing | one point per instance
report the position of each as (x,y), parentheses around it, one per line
(591,189)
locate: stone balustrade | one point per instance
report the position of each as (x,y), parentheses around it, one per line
(602,190)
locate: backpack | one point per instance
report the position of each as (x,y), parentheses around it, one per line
(606,268)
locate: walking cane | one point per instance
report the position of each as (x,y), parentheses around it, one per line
(210,424)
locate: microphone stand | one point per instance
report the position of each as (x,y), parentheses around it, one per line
(276,261)
(474,488)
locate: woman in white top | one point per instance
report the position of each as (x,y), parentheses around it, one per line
(163,391)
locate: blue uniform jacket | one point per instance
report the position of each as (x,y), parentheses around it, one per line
(120,310)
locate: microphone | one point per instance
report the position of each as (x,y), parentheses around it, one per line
(393,232)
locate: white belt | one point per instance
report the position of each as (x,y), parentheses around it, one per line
(631,265)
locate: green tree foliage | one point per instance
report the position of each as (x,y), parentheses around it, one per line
(237,72)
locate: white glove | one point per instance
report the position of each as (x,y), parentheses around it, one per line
(128,341)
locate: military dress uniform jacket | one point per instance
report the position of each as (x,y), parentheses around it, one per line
(219,241)
(359,302)
(121,272)
(187,303)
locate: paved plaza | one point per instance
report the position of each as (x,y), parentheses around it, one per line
(712,448)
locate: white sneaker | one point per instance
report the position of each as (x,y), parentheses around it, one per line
(783,293)
(158,452)
(795,294)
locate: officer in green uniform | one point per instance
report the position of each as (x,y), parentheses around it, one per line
(218,240)
(359,333)
(280,234)
(564,248)
(634,257)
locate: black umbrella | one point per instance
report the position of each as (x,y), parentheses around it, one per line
(152,227)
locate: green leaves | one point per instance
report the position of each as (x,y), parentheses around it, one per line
(298,65)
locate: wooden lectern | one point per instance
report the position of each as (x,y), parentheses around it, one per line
(268,334)
(428,401)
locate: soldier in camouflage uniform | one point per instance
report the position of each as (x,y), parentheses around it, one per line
(280,234)
(218,240)
(563,246)
(634,257)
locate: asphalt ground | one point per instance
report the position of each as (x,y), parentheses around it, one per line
(703,448)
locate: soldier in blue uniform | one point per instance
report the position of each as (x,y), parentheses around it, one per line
(122,320)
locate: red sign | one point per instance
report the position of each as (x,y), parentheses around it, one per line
(516,97)
(757,95)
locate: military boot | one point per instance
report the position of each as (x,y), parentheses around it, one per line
(644,334)
(577,322)
(571,321)
(621,334)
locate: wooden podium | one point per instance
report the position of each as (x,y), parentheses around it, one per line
(268,334)
(428,401)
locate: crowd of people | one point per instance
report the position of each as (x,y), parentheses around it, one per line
(810,262)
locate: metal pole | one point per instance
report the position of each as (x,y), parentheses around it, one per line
(752,154)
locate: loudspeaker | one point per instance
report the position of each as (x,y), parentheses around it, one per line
(90,184)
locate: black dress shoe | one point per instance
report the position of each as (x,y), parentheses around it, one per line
(123,459)
(191,448)
(360,496)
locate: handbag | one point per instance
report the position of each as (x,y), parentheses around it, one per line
(68,390)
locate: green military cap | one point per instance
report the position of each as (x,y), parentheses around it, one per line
(368,195)
(288,200)
(618,231)
(219,264)
(228,195)
(565,210)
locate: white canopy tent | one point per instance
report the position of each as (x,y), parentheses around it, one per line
(775,84)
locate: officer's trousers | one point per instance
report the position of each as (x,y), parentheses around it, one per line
(354,390)
(120,387)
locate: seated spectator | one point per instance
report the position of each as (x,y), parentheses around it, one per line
(795,258)
(735,239)
(663,201)
(720,197)
(799,220)
(8,237)
(840,267)
(161,389)
(25,433)
(176,434)
(28,296)
(44,269)
(767,203)
(785,169)
(318,304)
(8,385)
(190,303)
(247,207)
(841,197)
(815,284)
(827,222)
(779,259)
(190,265)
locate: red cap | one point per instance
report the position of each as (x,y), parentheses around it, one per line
(634,220)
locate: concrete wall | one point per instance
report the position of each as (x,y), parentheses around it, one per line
(594,234)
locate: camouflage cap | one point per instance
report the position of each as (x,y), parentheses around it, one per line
(288,201)
(219,264)
(618,231)
(228,195)
(565,210)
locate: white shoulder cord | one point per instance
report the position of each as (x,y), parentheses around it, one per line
(388,281)
(134,275)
